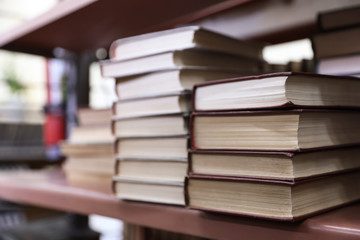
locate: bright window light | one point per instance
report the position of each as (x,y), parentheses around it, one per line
(290,51)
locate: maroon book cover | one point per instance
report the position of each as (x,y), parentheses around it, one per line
(270,154)
(265,112)
(263,181)
(288,104)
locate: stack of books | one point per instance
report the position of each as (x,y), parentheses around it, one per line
(22,139)
(336,48)
(89,149)
(154,75)
(279,146)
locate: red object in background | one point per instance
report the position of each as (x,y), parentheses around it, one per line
(54,128)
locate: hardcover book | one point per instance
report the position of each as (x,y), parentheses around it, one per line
(166,192)
(153,147)
(336,43)
(165,82)
(270,199)
(190,37)
(277,90)
(152,168)
(279,130)
(339,18)
(176,60)
(286,166)
(341,65)
(150,106)
(89,116)
(151,126)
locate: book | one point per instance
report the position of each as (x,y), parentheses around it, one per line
(23,153)
(341,65)
(99,133)
(87,149)
(190,37)
(176,60)
(339,18)
(90,150)
(83,179)
(156,105)
(270,199)
(21,134)
(166,192)
(336,43)
(89,116)
(152,147)
(92,164)
(287,130)
(277,90)
(151,126)
(165,82)
(286,166)
(152,168)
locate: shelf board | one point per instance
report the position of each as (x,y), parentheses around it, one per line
(50,189)
(80,25)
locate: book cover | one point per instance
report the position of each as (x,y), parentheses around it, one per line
(256,198)
(292,130)
(277,90)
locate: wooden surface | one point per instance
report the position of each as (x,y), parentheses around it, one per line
(50,189)
(79,25)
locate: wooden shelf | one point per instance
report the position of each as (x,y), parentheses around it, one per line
(50,189)
(80,25)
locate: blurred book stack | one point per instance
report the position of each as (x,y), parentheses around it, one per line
(22,139)
(280,146)
(336,47)
(89,149)
(155,73)
(23,122)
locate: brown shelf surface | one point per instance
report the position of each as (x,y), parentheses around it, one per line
(50,189)
(79,25)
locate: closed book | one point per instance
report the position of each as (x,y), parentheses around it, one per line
(91,134)
(155,105)
(276,130)
(89,116)
(93,165)
(190,37)
(153,147)
(152,168)
(286,166)
(270,199)
(341,65)
(177,60)
(145,190)
(87,149)
(339,18)
(150,126)
(277,90)
(336,43)
(23,153)
(171,81)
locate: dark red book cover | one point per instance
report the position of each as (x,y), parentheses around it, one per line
(266,112)
(287,105)
(263,181)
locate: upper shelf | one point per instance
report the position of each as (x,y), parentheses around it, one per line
(49,189)
(80,25)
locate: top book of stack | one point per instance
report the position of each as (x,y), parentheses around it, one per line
(184,38)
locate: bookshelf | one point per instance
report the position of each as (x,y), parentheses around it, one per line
(80,25)
(96,23)
(50,189)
